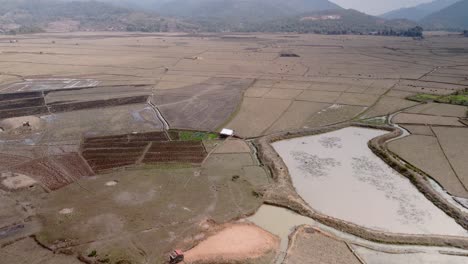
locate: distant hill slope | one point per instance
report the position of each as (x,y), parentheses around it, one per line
(420,11)
(339,21)
(454,17)
(246,10)
(319,16)
(237,15)
(33,15)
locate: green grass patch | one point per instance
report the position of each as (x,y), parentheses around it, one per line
(458,98)
(196,136)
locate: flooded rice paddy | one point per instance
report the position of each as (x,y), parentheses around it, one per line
(338,175)
(282,222)
(371,256)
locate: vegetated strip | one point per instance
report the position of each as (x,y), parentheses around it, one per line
(283,193)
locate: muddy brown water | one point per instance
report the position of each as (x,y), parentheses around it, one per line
(338,175)
(282,222)
(371,256)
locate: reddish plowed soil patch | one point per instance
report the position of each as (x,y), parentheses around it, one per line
(103,153)
(110,151)
(170,148)
(176,151)
(56,171)
(95,163)
(109,145)
(107,160)
(102,167)
(150,136)
(120,138)
(73,165)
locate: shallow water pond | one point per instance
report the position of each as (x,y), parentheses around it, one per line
(281,222)
(338,175)
(371,256)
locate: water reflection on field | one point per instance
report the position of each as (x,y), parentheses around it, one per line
(338,175)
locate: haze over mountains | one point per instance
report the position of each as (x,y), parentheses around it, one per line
(320,16)
(454,17)
(439,14)
(418,12)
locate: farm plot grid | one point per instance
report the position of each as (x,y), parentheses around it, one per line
(34,103)
(109,152)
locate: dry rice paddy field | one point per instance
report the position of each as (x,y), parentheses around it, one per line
(110,152)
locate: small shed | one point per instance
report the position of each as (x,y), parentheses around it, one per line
(225,132)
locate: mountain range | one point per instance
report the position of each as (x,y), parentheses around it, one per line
(321,16)
(436,15)
(420,11)
(453,17)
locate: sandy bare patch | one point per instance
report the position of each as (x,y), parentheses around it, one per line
(310,246)
(233,146)
(256,92)
(66,211)
(319,96)
(297,115)
(111,183)
(357,99)
(439,110)
(17,122)
(405,118)
(16,181)
(425,153)
(454,142)
(283,93)
(234,243)
(387,105)
(252,118)
(419,130)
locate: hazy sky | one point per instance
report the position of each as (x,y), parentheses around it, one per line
(377,7)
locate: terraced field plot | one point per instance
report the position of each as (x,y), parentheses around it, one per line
(109,152)
(55,172)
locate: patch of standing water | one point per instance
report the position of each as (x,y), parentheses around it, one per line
(449,198)
(281,222)
(371,256)
(338,175)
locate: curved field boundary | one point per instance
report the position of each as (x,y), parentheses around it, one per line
(283,194)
